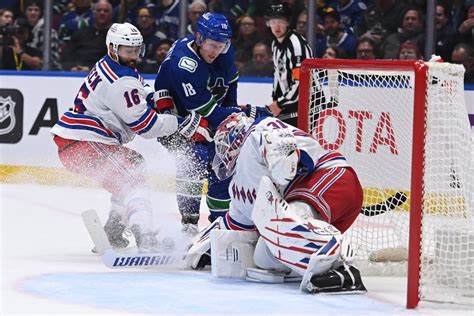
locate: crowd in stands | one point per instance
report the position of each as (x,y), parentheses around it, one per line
(362,29)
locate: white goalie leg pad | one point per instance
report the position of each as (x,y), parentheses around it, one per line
(264,259)
(290,233)
(232,252)
(269,269)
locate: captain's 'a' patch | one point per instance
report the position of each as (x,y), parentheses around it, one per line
(188,64)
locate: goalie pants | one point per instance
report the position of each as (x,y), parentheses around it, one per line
(335,194)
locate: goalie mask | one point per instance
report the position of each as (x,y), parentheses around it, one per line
(229,138)
(124,42)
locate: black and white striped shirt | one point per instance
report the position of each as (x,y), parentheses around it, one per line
(287,58)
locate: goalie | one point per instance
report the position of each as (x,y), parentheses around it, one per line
(297,196)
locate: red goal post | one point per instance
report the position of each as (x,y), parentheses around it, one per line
(332,96)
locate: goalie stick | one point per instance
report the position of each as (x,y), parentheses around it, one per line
(389,204)
(116,260)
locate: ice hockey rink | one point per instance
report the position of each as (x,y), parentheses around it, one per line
(47,268)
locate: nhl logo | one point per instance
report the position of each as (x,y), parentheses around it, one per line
(11,116)
(7,115)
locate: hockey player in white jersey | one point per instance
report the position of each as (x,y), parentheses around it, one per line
(299,197)
(109,110)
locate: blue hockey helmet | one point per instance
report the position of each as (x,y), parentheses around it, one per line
(214,26)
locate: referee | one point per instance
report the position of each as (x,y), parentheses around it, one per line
(289,49)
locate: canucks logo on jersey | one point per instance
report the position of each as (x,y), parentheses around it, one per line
(219,89)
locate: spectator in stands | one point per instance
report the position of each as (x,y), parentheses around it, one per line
(245,38)
(127,10)
(261,64)
(332,52)
(351,12)
(167,18)
(232,9)
(34,16)
(335,35)
(196,9)
(366,49)
(466,29)
(6,17)
(445,38)
(160,52)
(302,24)
(151,36)
(458,12)
(381,18)
(464,54)
(409,51)
(16,55)
(87,45)
(78,18)
(411,30)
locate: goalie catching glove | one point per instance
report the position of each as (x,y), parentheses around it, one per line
(195,127)
(280,154)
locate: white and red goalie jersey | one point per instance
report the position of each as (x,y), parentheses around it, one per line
(111,108)
(308,173)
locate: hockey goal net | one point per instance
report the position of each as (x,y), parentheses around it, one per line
(404,128)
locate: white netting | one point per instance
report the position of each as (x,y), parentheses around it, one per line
(368,116)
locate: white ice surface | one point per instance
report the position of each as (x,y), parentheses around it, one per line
(47,268)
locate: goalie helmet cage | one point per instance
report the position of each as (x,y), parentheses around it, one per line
(403,126)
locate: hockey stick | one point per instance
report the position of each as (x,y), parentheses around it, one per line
(114,260)
(96,231)
(389,204)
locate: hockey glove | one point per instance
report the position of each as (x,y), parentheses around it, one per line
(254,112)
(164,103)
(281,155)
(196,128)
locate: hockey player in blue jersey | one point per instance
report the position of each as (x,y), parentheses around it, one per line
(199,76)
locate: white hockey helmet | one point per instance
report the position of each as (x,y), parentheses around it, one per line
(123,34)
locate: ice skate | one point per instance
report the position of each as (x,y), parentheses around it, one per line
(343,279)
(146,242)
(114,229)
(190,225)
